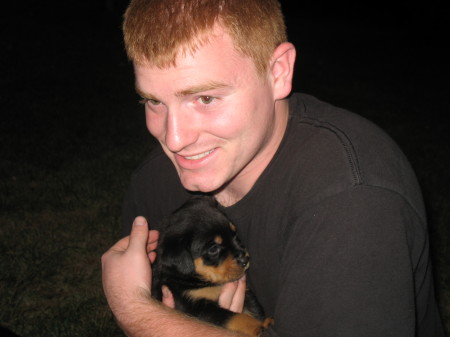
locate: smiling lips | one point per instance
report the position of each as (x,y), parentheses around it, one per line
(194,162)
(199,156)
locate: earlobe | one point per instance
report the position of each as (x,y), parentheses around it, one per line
(282,69)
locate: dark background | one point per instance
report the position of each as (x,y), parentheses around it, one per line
(71,130)
(63,66)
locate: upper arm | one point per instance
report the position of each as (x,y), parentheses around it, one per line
(346,268)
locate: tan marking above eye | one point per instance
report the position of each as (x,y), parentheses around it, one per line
(218,239)
(228,270)
(233,227)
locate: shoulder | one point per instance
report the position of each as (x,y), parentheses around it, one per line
(154,161)
(155,189)
(156,173)
(338,149)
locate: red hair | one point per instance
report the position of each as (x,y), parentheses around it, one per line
(156,31)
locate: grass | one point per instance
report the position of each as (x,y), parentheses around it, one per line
(72,133)
(55,224)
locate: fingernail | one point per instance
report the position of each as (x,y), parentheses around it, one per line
(139,221)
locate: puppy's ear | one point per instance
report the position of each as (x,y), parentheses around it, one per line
(176,257)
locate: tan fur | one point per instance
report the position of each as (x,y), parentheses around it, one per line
(228,270)
(245,324)
(209,293)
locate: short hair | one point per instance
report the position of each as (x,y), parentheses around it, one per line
(156,31)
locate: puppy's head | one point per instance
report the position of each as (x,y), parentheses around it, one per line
(199,245)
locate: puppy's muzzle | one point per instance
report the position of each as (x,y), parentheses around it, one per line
(244,260)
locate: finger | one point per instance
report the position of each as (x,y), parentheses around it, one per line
(152,242)
(232,296)
(152,257)
(139,234)
(226,296)
(153,236)
(237,304)
(167,297)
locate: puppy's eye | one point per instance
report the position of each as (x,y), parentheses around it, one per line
(214,250)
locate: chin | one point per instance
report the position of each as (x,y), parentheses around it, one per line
(200,185)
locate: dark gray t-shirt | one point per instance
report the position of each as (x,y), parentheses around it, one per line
(335,227)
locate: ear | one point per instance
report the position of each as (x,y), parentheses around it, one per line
(177,256)
(282,69)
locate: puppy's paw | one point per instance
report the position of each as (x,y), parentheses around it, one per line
(268,322)
(248,325)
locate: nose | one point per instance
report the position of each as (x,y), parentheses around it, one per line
(243,259)
(181,130)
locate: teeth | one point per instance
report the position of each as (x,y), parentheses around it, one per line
(199,156)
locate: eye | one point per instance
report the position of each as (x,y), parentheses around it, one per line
(150,100)
(206,99)
(214,250)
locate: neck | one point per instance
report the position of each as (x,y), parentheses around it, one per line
(240,185)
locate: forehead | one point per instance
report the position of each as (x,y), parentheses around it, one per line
(216,61)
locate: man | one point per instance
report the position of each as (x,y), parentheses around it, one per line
(325,202)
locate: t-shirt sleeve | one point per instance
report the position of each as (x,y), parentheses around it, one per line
(129,210)
(154,191)
(347,268)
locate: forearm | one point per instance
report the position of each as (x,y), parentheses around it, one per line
(126,276)
(151,318)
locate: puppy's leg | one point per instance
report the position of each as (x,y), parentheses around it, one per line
(246,324)
(268,322)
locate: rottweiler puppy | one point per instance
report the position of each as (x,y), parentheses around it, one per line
(198,252)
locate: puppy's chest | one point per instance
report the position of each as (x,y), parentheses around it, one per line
(210,293)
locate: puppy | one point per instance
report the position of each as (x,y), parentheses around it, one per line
(198,252)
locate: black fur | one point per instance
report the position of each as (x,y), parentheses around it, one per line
(199,231)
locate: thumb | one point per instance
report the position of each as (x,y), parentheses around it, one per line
(139,234)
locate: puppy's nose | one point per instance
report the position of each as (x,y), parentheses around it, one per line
(243,259)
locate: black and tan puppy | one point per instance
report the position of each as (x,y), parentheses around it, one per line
(198,252)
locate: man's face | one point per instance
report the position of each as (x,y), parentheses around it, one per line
(213,115)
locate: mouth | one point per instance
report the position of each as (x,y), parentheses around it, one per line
(198,156)
(195,162)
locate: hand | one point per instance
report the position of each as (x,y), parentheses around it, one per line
(233,295)
(126,270)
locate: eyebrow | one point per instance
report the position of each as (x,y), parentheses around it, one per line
(144,95)
(200,88)
(188,91)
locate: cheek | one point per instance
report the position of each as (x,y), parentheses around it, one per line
(248,122)
(231,123)
(155,124)
(252,111)
(229,128)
